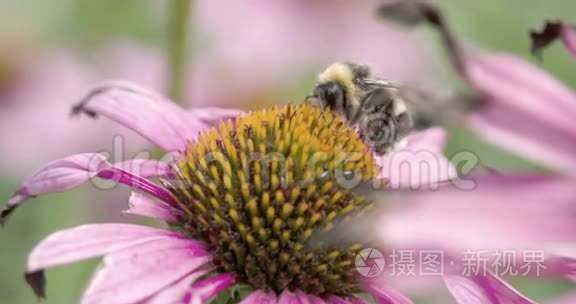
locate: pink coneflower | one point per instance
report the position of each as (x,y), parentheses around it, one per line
(234,220)
(526,110)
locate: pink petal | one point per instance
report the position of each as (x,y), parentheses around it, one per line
(315,300)
(288,297)
(209,288)
(420,163)
(512,81)
(502,212)
(144,206)
(482,290)
(137,182)
(175,293)
(569,38)
(56,176)
(528,111)
(145,167)
(385,295)
(526,136)
(147,113)
(136,273)
(88,241)
(260,297)
(565,299)
(72,171)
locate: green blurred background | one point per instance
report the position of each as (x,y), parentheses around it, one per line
(86,25)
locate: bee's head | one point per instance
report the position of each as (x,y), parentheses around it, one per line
(330,94)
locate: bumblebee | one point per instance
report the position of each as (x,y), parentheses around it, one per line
(384,111)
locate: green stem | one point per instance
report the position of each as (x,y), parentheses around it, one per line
(177,47)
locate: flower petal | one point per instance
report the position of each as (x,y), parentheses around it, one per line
(56,176)
(288,297)
(551,31)
(385,295)
(134,274)
(137,182)
(420,163)
(500,213)
(175,293)
(88,241)
(522,99)
(260,297)
(565,299)
(569,38)
(526,136)
(482,289)
(145,167)
(147,113)
(315,300)
(144,206)
(210,287)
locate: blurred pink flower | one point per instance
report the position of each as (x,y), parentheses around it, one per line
(149,265)
(553,30)
(35,105)
(245,53)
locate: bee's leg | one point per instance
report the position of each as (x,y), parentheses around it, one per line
(315,101)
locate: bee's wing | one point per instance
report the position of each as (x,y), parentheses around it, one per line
(432,106)
(362,226)
(374,82)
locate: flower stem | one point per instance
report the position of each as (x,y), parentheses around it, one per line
(177,47)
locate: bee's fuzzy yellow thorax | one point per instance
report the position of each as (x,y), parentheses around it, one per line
(342,74)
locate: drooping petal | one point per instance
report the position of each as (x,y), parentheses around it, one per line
(482,289)
(147,113)
(260,297)
(137,182)
(144,206)
(386,295)
(175,293)
(145,167)
(56,176)
(134,274)
(72,171)
(551,31)
(420,163)
(211,287)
